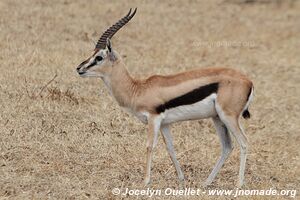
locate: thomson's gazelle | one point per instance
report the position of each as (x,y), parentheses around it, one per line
(222,94)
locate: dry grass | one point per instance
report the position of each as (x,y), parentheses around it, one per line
(71,141)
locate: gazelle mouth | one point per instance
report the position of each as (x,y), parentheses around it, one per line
(81,73)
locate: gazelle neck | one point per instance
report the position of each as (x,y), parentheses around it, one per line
(121,85)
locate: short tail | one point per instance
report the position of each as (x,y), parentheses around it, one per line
(246,114)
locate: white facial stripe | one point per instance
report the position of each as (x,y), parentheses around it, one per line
(94,60)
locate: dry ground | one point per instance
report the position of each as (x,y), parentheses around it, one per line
(69,139)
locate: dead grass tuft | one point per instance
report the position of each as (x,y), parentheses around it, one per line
(56,94)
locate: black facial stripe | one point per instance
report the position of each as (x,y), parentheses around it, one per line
(92,64)
(190,97)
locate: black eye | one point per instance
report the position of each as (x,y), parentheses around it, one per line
(98,58)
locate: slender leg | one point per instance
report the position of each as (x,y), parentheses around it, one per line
(153,129)
(233,125)
(169,143)
(244,149)
(226,148)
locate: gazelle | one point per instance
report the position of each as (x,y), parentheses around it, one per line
(222,94)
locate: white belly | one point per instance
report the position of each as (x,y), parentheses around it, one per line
(200,110)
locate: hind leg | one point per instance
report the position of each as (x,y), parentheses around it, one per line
(227,147)
(234,127)
(232,123)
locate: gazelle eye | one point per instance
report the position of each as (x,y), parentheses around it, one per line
(98,58)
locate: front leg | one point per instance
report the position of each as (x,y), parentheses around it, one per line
(169,143)
(153,129)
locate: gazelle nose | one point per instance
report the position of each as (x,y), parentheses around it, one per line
(78,68)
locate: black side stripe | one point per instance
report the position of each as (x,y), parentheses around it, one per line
(190,97)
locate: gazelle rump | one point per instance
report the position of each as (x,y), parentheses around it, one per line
(222,94)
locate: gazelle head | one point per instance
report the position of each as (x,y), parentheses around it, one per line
(103,58)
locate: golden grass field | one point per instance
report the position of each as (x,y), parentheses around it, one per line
(69,140)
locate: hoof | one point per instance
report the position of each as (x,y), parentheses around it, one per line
(240,184)
(182,184)
(147,182)
(206,183)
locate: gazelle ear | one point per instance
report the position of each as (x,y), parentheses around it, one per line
(111,53)
(108,44)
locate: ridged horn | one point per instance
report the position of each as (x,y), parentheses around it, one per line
(101,44)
